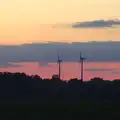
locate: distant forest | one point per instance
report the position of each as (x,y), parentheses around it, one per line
(24,97)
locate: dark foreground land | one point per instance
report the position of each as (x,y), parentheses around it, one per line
(25,97)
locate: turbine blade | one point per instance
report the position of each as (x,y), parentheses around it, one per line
(58,56)
(81,56)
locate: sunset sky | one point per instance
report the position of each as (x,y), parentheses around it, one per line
(26,21)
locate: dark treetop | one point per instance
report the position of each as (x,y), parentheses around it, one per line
(24,97)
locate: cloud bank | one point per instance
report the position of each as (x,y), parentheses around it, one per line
(97,24)
(47,52)
(99,70)
(104,70)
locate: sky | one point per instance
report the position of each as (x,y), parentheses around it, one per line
(108,71)
(27,21)
(103,59)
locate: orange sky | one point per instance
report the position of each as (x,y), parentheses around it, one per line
(21,21)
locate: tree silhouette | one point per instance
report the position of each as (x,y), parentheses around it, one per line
(31,97)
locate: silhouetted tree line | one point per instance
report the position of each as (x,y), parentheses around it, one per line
(24,97)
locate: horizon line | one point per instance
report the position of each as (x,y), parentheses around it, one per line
(47,42)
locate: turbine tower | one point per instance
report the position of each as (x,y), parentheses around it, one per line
(59,66)
(82,67)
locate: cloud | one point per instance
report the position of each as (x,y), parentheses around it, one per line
(116,72)
(110,70)
(97,24)
(99,70)
(6,65)
(43,63)
(45,53)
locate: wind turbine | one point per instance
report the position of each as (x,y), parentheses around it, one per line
(82,69)
(59,66)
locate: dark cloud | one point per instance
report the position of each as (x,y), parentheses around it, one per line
(6,65)
(99,70)
(110,70)
(45,53)
(116,72)
(43,64)
(97,24)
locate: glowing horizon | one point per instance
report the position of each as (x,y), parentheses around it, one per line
(108,71)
